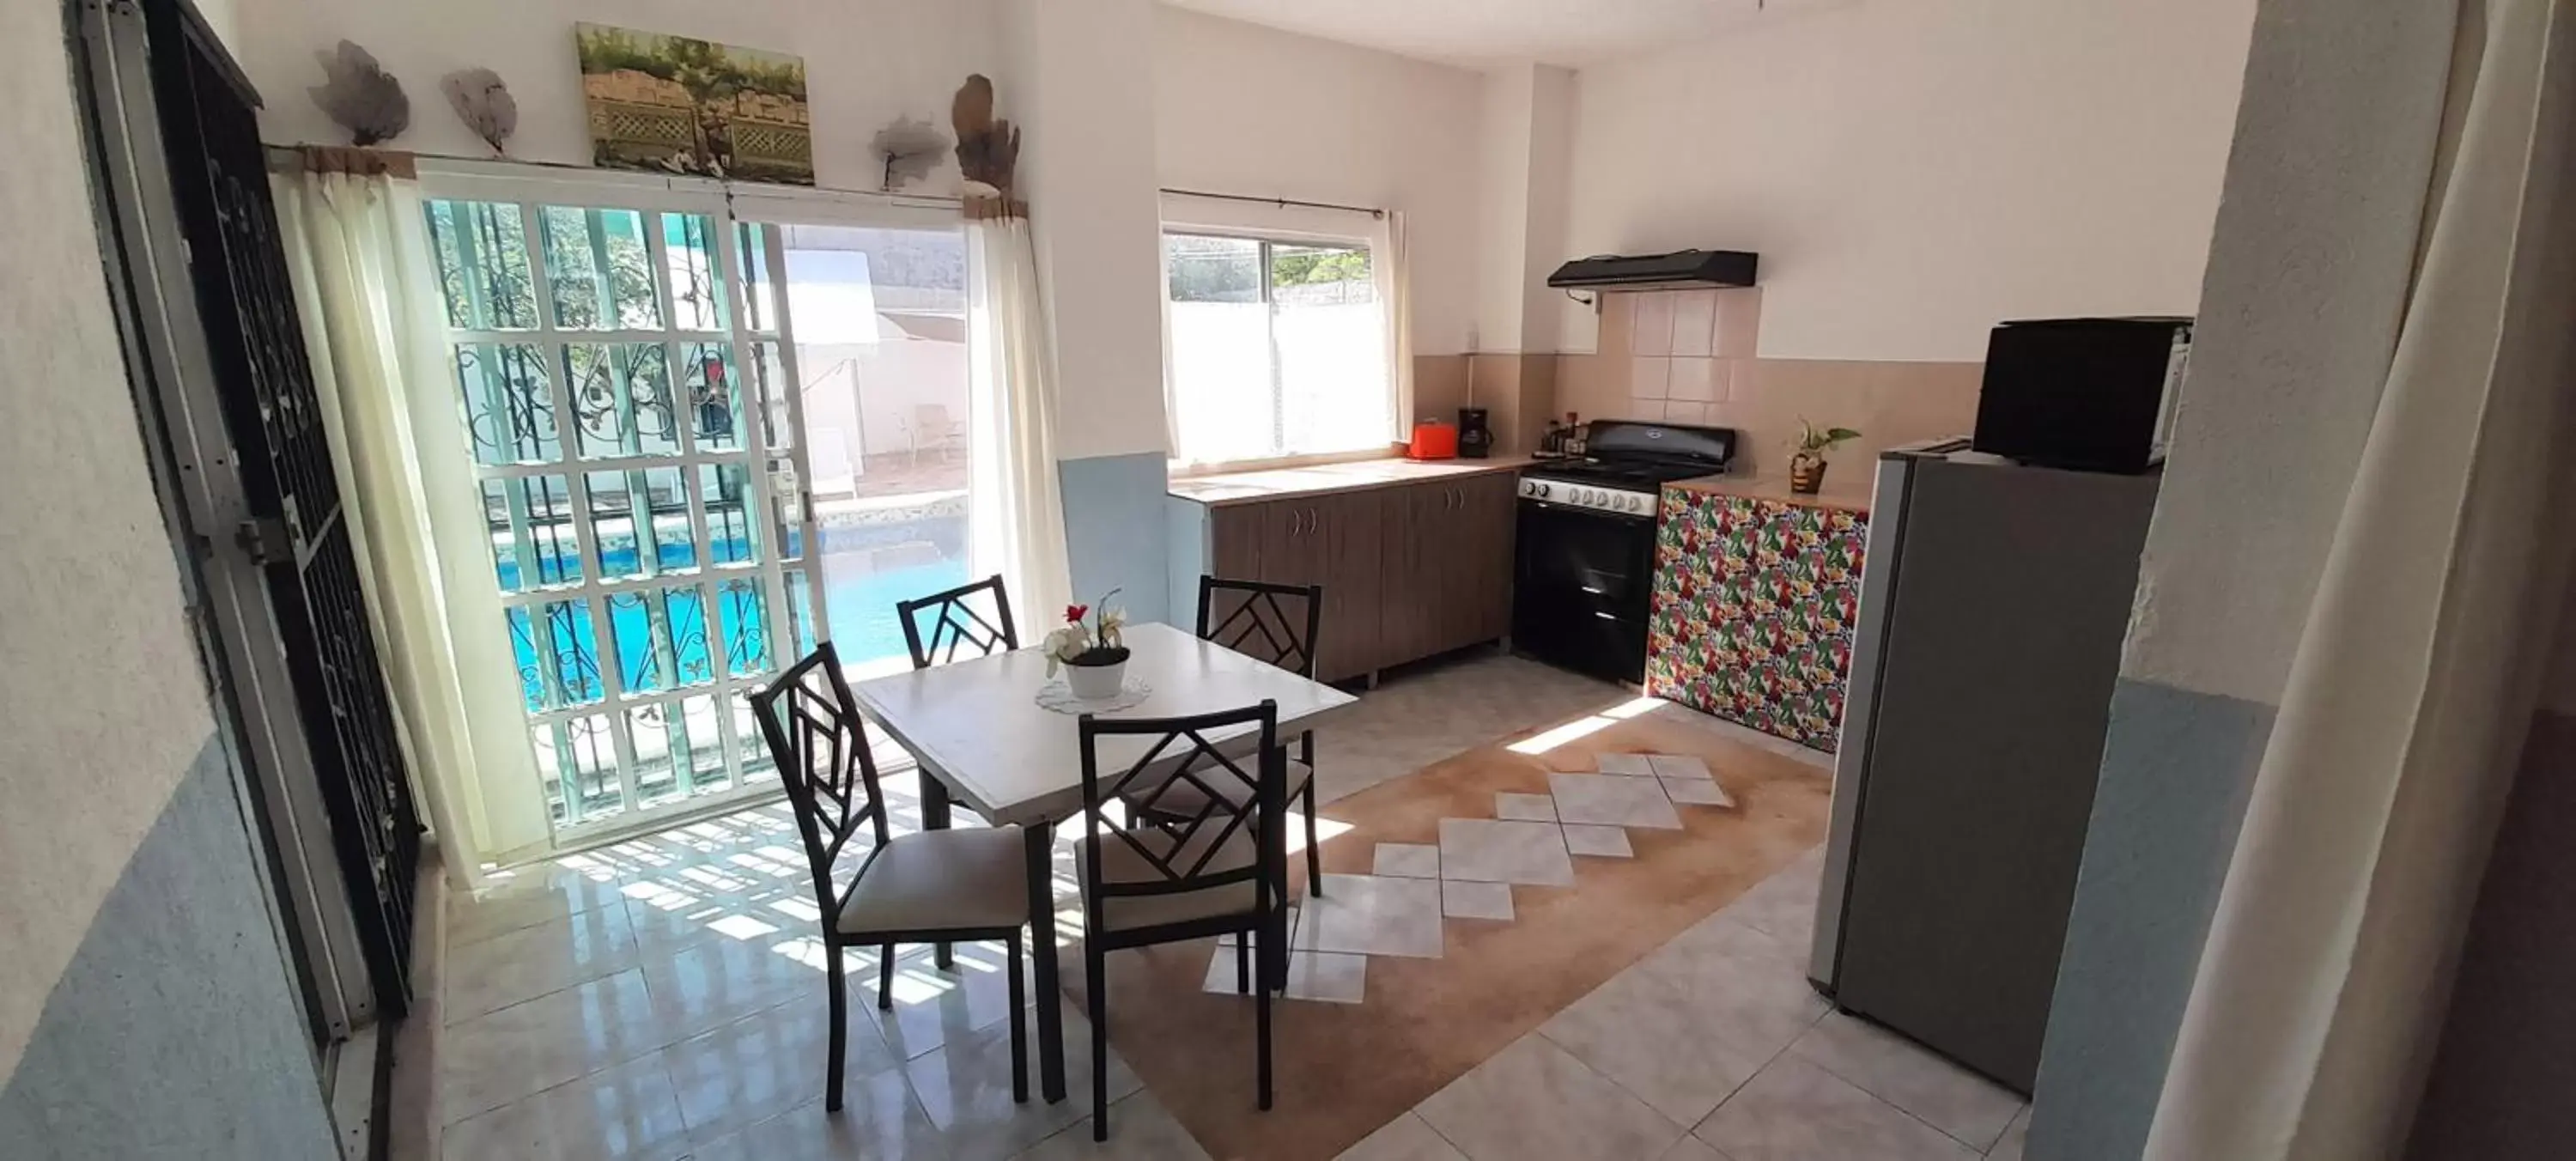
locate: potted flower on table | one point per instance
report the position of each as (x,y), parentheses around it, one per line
(1092,654)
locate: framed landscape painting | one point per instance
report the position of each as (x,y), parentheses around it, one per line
(680,105)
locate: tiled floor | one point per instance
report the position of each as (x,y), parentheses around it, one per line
(661,1000)
(1713,1046)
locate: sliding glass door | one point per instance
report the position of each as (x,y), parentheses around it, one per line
(622,365)
(880,347)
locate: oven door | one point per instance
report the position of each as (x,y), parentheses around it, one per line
(1583,582)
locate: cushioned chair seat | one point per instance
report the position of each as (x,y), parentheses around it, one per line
(941,880)
(1120,863)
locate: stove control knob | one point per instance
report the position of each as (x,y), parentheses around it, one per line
(1583,495)
(1539,490)
(1635,504)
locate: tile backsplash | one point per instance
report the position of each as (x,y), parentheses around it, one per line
(1688,356)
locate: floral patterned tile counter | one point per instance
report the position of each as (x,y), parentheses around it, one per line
(1754,603)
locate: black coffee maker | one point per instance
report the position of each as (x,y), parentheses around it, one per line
(1475,435)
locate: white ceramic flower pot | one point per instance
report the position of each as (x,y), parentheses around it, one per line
(1095,682)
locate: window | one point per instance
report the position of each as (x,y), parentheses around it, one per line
(1277,348)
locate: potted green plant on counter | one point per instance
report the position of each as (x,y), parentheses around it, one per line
(1807,461)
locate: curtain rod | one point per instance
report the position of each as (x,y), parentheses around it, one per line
(1282,203)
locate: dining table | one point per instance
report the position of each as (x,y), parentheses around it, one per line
(982,739)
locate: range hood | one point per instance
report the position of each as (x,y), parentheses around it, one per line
(1680,270)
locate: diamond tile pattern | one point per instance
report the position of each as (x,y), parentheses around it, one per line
(1494,851)
(1609,801)
(1406,860)
(1525,807)
(1632,765)
(1603,842)
(1463,900)
(1370,915)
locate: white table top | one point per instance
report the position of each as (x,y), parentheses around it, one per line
(976,725)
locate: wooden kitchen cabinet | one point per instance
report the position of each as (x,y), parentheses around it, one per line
(1449,578)
(1328,540)
(1408,571)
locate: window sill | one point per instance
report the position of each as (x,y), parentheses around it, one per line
(1191,470)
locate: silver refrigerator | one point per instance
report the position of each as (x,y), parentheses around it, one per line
(1994,600)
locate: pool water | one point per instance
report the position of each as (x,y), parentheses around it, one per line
(859,606)
(859,594)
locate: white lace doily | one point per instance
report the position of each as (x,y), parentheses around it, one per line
(1056,696)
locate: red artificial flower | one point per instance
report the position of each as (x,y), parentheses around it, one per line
(1076,613)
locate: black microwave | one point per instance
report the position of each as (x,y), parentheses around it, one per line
(2091,394)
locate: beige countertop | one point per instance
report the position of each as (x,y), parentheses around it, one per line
(1281,483)
(1846,491)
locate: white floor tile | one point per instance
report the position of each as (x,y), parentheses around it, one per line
(1370,915)
(1533,1101)
(1494,851)
(1795,1111)
(1679,766)
(1697,792)
(1460,899)
(1321,976)
(1612,801)
(1600,842)
(531,961)
(878,1119)
(1525,807)
(965,1086)
(1406,1138)
(1648,1034)
(2015,1137)
(626,1113)
(1893,1069)
(765,1064)
(1140,1129)
(1406,861)
(1629,765)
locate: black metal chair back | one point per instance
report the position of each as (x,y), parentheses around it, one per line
(815,734)
(1268,622)
(935,627)
(1182,847)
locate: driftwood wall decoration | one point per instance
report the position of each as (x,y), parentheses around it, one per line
(988,148)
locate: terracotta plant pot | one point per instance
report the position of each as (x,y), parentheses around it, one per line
(1806,474)
(1097,675)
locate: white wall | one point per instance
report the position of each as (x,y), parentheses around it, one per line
(1087,167)
(101,706)
(1248,110)
(866,63)
(1914,172)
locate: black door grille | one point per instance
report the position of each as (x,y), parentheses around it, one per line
(219,173)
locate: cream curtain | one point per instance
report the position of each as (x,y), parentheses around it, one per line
(1391,263)
(367,289)
(2318,999)
(1015,510)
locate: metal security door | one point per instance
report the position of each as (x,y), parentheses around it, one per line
(620,355)
(258,474)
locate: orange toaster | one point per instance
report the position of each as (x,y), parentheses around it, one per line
(1433,439)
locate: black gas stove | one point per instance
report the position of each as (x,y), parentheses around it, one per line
(1626,466)
(1584,559)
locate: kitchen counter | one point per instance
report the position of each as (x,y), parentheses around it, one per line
(1843,491)
(1756,591)
(1324,479)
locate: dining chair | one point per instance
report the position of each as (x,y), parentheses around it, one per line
(1278,624)
(976,616)
(1167,876)
(928,886)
